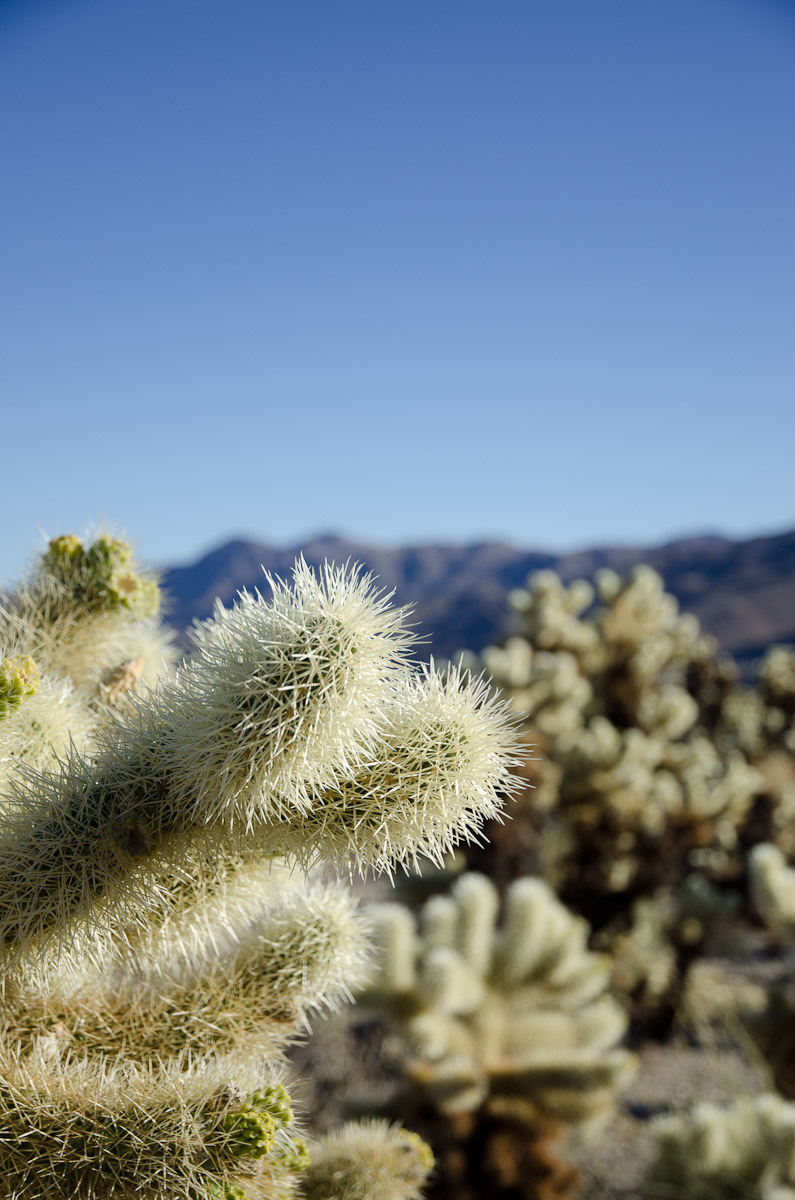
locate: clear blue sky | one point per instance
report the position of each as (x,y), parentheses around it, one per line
(409,270)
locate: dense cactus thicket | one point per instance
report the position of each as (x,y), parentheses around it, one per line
(163,932)
(653,771)
(509,1039)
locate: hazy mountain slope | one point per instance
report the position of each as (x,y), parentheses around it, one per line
(742,591)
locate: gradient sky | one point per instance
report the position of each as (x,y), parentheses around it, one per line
(411,270)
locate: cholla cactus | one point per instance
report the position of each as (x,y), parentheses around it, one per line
(295,727)
(83,624)
(510,1037)
(607,699)
(160,940)
(88,612)
(640,779)
(249,950)
(744,1152)
(76,638)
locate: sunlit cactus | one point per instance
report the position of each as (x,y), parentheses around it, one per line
(161,942)
(509,1034)
(84,621)
(742,1152)
(91,1131)
(441,770)
(295,727)
(248,953)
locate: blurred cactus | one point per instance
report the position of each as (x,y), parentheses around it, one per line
(160,939)
(771,1019)
(761,719)
(743,1152)
(760,722)
(772,885)
(367,1161)
(510,1039)
(652,768)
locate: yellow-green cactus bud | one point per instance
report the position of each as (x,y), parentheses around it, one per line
(233,1193)
(251,1133)
(275,1100)
(225,1191)
(106,553)
(102,575)
(66,548)
(112,580)
(252,1128)
(19,677)
(296,1156)
(128,590)
(105,558)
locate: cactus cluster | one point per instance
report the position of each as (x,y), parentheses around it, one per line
(510,1037)
(653,770)
(163,935)
(606,697)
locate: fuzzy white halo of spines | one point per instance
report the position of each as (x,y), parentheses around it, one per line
(279,699)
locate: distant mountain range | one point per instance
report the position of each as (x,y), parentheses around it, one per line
(743,592)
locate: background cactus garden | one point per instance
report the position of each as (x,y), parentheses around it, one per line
(654,773)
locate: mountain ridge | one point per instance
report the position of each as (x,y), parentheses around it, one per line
(742,590)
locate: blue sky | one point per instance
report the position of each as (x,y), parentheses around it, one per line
(405,270)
